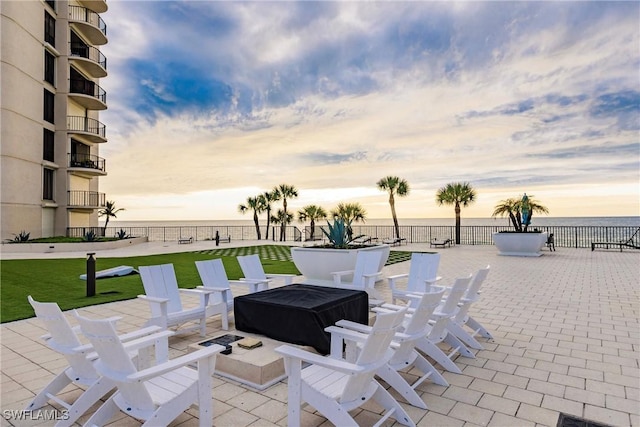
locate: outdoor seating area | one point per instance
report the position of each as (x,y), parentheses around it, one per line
(620,244)
(516,354)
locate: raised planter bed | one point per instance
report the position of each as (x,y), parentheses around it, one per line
(520,244)
(70,247)
(317,264)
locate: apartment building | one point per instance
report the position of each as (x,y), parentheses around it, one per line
(51,66)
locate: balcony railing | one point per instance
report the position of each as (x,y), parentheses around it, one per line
(87,161)
(86,125)
(88,52)
(82,14)
(86,199)
(87,87)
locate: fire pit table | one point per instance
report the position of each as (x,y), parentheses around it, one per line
(298,314)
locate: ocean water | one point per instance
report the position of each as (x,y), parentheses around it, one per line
(542,221)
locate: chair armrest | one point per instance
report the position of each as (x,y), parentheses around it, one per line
(215,289)
(288,278)
(337,276)
(316,359)
(154,299)
(173,364)
(204,291)
(347,334)
(359,327)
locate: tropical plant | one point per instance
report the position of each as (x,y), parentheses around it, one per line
(395,186)
(255,204)
(122,234)
(284,192)
(23,236)
(90,236)
(267,198)
(339,235)
(311,213)
(457,194)
(283,218)
(109,211)
(349,213)
(514,209)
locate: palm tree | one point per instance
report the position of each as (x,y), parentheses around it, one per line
(284,192)
(394,185)
(255,204)
(109,211)
(283,218)
(349,213)
(513,208)
(311,213)
(456,193)
(267,198)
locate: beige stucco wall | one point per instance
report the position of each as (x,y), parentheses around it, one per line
(21,160)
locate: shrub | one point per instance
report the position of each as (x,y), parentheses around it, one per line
(121,234)
(90,236)
(22,237)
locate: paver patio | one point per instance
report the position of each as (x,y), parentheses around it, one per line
(567,339)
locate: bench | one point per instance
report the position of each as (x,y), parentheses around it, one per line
(441,243)
(614,244)
(184,240)
(394,242)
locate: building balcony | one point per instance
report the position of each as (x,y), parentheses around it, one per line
(89,59)
(88,94)
(83,200)
(90,129)
(98,6)
(89,23)
(87,165)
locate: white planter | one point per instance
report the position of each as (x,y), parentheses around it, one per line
(317,264)
(520,244)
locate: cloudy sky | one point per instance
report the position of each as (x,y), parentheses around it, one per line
(214,101)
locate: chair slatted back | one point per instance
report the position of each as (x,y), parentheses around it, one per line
(252,267)
(473,293)
(367,262)
(213,275)
(375,351)
(416,325)
(449,308)
(114,363)
(424,266)
(160,281)
(63,338)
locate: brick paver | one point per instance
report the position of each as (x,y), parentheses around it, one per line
(567,338)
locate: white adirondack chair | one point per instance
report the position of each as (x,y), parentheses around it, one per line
(335,386)
(405,355)
(162,293)
(253,271)
(364,274)
(157,394)
(423,272)
(462,317)
(64,339)
(214,277)
(438,331)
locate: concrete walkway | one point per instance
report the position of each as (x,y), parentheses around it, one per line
(567,340)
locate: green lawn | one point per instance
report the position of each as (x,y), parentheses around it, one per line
(58,279)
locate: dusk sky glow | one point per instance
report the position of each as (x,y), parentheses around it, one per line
(214,101)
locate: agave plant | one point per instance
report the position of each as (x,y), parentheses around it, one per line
(90,236)
(122,234)
(22,237)
(338,234)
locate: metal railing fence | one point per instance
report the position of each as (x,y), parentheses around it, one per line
(565,236)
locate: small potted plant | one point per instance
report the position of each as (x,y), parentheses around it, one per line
(519,241)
